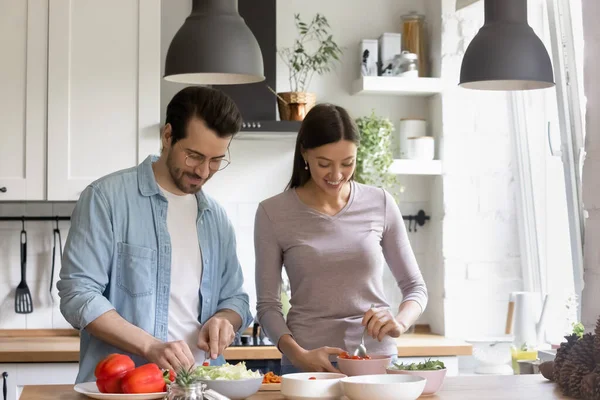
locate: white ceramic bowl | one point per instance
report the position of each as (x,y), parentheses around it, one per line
(235,389)
(299,386)
(383,387)
(435,378)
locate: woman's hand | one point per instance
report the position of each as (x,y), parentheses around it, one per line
(381,322)
(316,360)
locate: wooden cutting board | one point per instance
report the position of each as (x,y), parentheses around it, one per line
(269,387)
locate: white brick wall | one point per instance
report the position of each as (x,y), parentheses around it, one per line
(480,255)
(591,183)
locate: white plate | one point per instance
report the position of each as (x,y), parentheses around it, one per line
(91,390)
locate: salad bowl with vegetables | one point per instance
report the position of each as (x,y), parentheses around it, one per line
(434,371)
(233,381)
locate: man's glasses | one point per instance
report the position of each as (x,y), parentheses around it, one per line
(196,160)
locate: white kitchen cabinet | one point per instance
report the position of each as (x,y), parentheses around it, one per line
(80,93)
(22,374)
(23,42)
(103,90)
(11,380)
(45,374)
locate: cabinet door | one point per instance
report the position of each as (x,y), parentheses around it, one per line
(11,381)
(103,90)
(23,43)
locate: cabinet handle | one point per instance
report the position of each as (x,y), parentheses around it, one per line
(4,376)
(3,189)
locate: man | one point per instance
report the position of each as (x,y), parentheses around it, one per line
(150,266)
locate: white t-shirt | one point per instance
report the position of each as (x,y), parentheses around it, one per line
(186,271)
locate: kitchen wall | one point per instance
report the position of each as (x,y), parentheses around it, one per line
(469,251)
(259,169)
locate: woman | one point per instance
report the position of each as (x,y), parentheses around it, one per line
(332,234)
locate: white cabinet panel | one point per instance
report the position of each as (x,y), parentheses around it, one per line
(23,84)
(11,380)
(103,90)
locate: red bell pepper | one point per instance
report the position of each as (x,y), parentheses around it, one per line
(147,378)
(110,370)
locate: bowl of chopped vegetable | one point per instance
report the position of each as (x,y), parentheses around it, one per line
(368,365)
(433,371)
(233,381)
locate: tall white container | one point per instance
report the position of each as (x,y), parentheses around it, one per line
(369,56)
(390,44)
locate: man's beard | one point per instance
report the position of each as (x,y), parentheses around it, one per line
(178,177)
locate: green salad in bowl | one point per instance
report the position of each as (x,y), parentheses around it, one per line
(428,365)
(432,370)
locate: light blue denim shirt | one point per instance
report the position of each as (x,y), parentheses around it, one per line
(118,256)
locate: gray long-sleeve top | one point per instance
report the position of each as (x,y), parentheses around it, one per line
(335,267)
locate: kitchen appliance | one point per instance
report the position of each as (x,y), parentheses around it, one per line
(257,104)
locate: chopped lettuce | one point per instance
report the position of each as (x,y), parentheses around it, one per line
(226,372)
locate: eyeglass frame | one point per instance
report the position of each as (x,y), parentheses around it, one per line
(220,161)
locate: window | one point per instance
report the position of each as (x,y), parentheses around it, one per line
(549,144)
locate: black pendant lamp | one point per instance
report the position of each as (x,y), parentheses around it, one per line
(214,46)
(506,54)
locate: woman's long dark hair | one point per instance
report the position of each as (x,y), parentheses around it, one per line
(324,124)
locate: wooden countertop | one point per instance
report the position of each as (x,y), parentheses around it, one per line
(66,348)
(513,387)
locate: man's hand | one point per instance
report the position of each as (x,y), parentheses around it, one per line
(215,335)
(170,355)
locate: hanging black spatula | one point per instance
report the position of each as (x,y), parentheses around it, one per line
(23,303)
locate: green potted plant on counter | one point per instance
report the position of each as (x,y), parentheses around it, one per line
(314,51)
(374,157)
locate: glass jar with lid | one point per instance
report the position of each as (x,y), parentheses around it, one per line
(414,39)
(406,65)
(193,391)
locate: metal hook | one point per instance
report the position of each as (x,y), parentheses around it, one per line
(23,222)
(57,222)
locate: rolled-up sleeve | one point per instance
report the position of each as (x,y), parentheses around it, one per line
(86,261)
(232,295)
(400,257)
(269,261)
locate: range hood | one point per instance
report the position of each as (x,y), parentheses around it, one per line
(464,3)
(256,102)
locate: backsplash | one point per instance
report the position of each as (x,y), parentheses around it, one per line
(46,313)
(259,169)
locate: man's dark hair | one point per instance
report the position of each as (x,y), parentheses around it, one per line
(214,107)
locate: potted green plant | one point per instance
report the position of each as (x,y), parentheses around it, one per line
(314,52)
(374,157)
